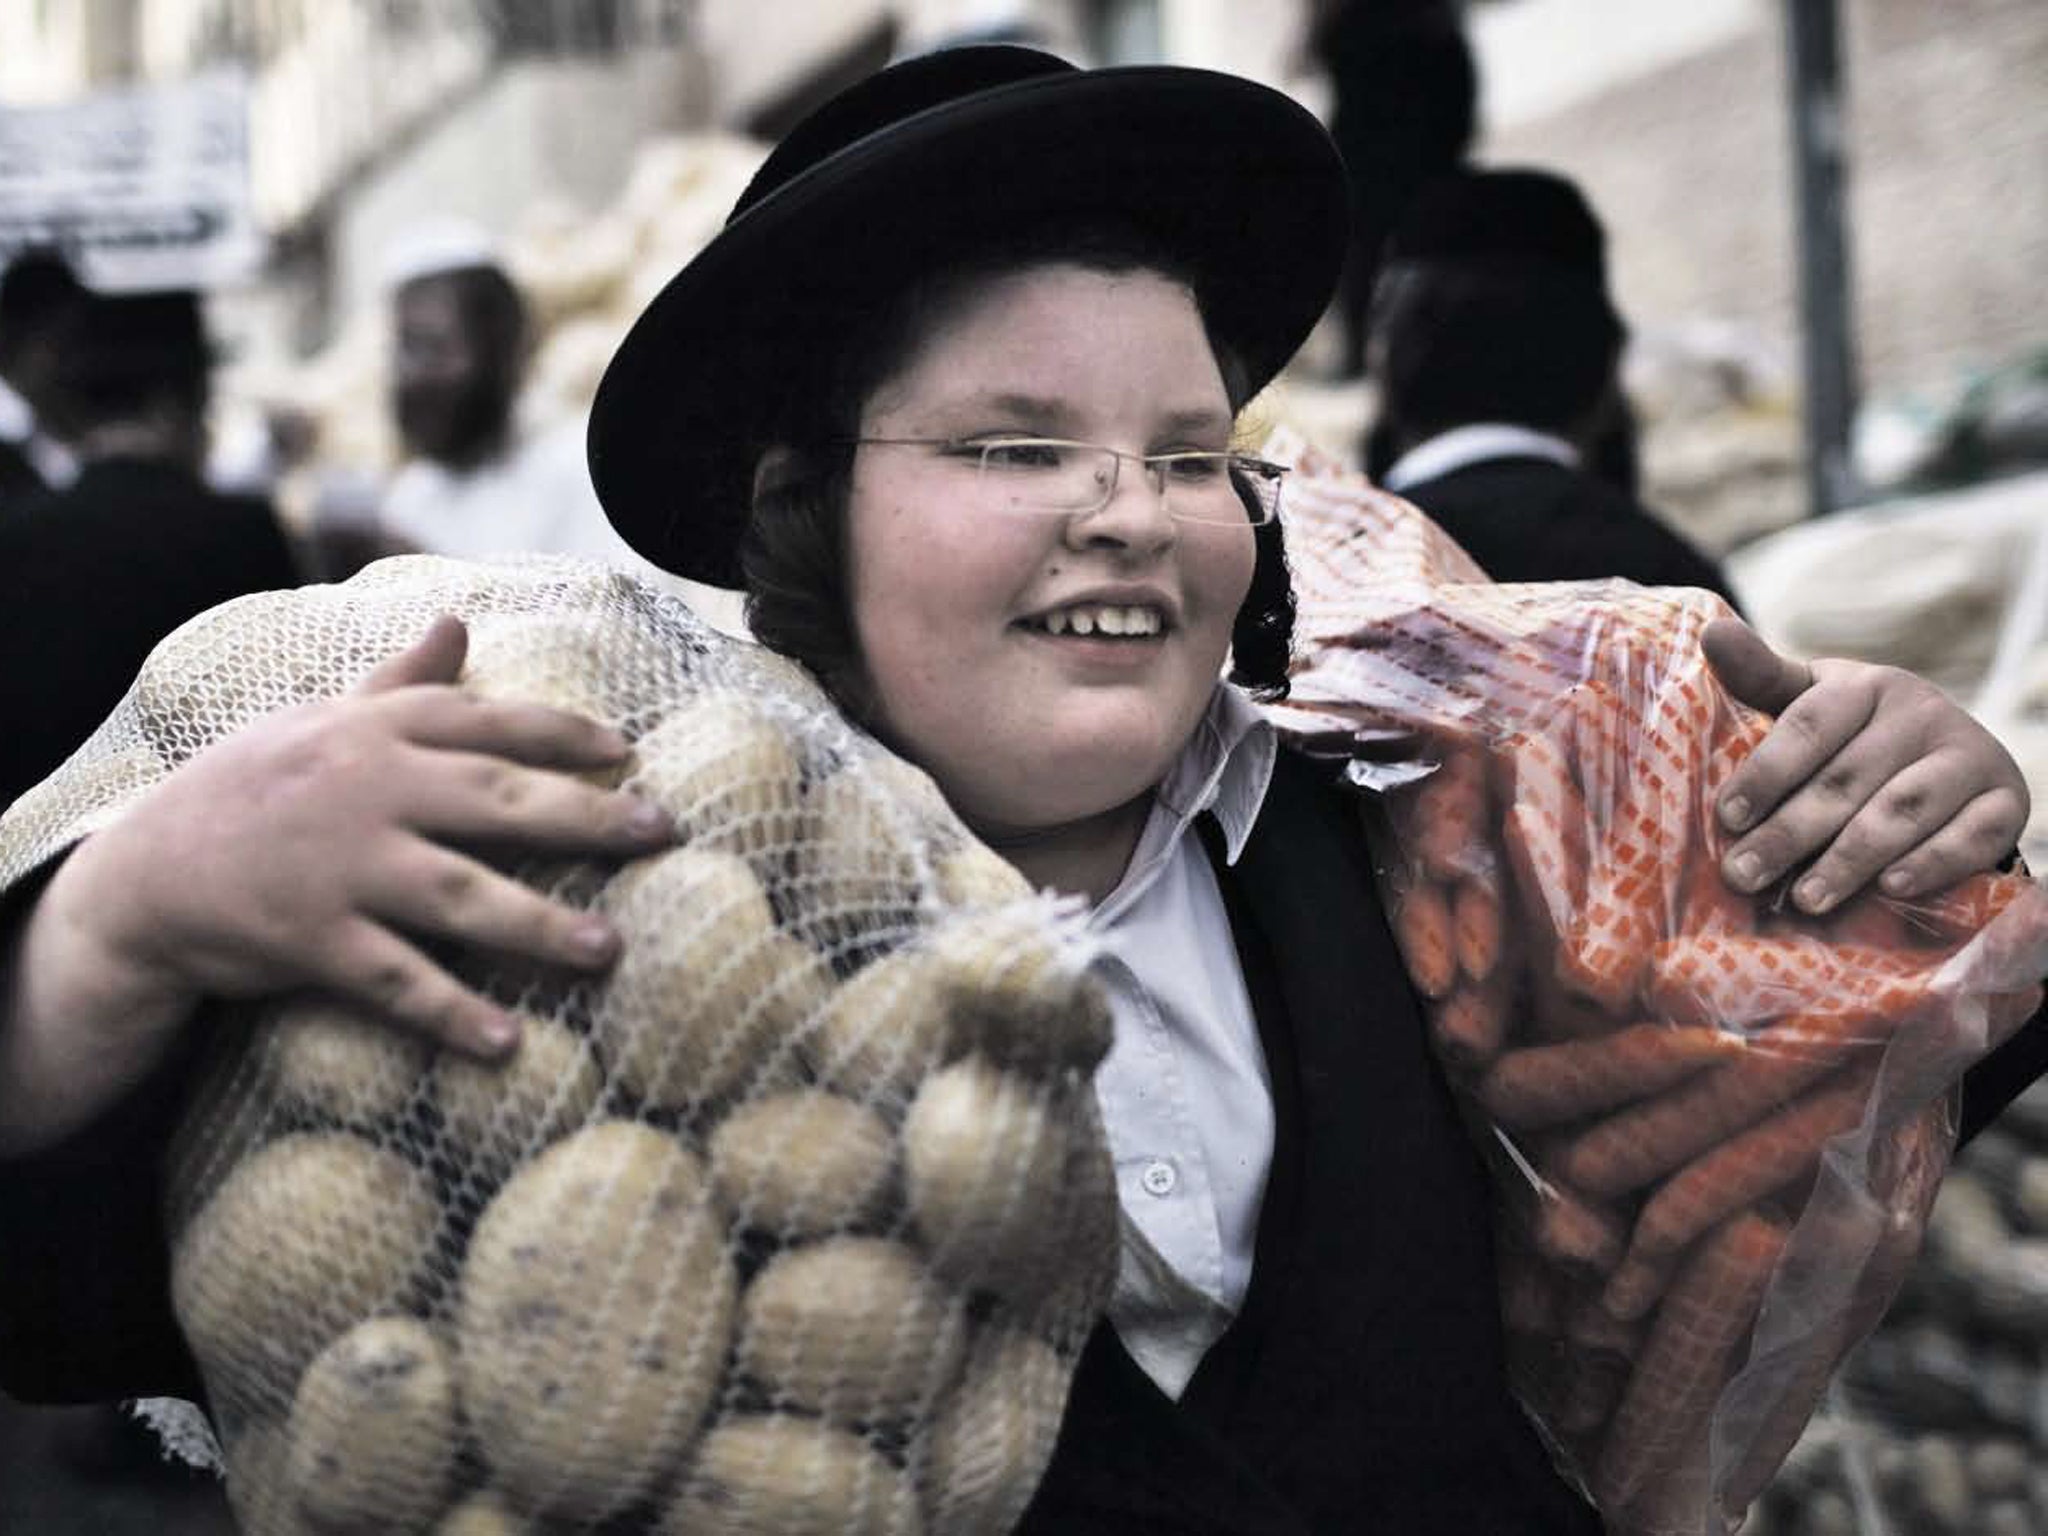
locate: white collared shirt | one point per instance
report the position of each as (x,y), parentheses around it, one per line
(1184,1093)
(1473,444)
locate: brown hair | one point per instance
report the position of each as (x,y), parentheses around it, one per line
(793,554)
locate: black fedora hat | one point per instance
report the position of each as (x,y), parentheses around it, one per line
(1235,178)
(1524,219)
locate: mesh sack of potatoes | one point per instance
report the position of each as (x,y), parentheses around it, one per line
(794,1221)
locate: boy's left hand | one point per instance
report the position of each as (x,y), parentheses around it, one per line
(1869,773)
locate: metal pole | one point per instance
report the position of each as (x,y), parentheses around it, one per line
(1819,155)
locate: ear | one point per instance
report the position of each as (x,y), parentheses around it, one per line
(774,473)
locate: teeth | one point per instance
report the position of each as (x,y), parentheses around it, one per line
(1104,618)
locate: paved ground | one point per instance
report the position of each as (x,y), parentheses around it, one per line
(89,1472)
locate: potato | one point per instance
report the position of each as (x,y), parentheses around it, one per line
(1017,995)
(595,1317)
(311,1234)
(230,1113)
(332,1059)
(985,1157)
(706,995)
(853,1328)
(995,1433)
(224,668)
(860,868)
(258,1491)
(779,1475)
(885,1028)
(109,781)
(1090,1222)
(373,1431)
(975,875)
(729,774)
(484,1513)
(496,1113)
(804,1163)
(535,658)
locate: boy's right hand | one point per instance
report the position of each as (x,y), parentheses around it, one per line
(318,846)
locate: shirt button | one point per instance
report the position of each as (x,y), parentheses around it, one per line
(1159,1177)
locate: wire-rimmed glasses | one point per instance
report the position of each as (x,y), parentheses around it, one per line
(1060,477)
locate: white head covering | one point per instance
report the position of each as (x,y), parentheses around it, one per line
(441,243)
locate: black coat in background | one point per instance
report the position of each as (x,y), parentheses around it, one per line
(91,577)
(18,477)
(1526,518)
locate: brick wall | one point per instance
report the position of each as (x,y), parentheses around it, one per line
(1948,145)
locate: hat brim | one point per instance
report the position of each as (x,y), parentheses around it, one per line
(1240,180)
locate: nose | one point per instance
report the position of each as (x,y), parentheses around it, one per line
(1133,518)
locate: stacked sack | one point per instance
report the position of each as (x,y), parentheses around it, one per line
(1718,1125)
(795,1221)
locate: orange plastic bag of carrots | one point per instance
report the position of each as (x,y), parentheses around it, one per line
(1719,1125)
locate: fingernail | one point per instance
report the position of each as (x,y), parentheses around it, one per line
(611,742)
(595,938)
(501,1032)
(1749,871)
(649,820)
(1735,813)
(1898,882)
(1813,894)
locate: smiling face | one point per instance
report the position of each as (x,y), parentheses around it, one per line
(989,639)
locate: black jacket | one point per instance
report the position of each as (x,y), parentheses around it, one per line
(19,478)
(91,577)
(1362,1386)
(1527,518)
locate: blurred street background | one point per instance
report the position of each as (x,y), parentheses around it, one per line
(294,160)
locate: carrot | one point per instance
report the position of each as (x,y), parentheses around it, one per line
(1599,1354)
(1447,816)
(1470,1023)
(1736,980)
(1476,927)
(1596,724)
(1543,832)
(1870,922)
(1707,903)
(1540,1086)
(1573,1232)
(1684,1363)
(1632,884)
(1557,1015)
(1742,1170)
(1650,1139)
(1422,928)
(1967,907)
(1635,1286)
(1528,1294)
(1813,1366)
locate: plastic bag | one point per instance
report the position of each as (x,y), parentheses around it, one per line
(796,1220)
(1718,1125)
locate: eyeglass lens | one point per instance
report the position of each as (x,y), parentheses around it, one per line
(1043,476)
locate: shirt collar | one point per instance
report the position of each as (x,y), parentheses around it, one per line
(1473,444)
(1225,768)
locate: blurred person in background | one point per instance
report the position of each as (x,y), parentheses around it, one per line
(93,575)
(35,288)
(1497,351)
(475,480)
(1404,103)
